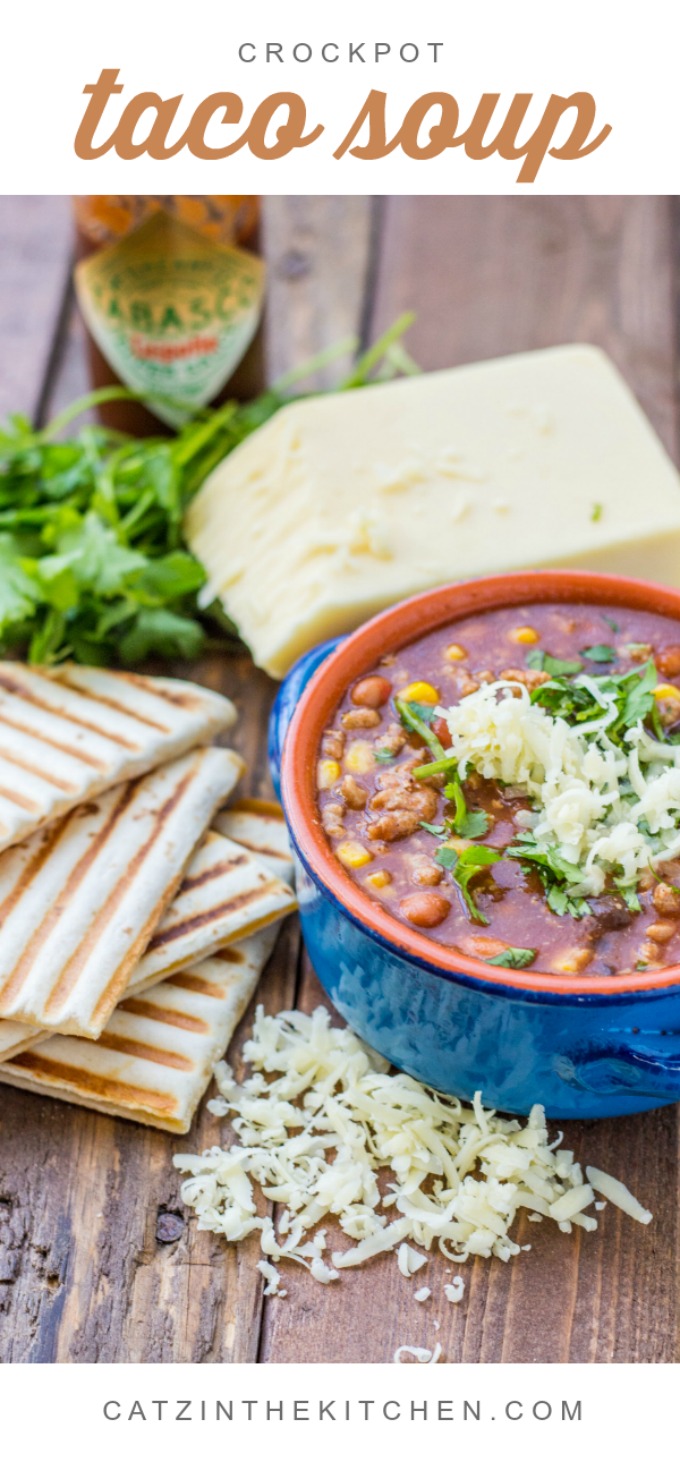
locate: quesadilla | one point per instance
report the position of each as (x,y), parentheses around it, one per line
(225,895)
(70,733)
(156,1056)
(261,827)
(80,900)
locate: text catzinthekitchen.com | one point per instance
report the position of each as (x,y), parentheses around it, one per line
(524,127)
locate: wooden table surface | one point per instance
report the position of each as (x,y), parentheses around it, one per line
(83,1273)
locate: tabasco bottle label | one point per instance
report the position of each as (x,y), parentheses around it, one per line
(172,312)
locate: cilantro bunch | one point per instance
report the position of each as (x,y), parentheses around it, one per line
(93,564)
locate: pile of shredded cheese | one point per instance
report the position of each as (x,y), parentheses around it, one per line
(321,1117)
(602,806)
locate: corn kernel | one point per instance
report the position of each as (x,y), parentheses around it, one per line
(327,772)
(359,757)
(380,879)
(667,693)
(422,691)
(455,652)
(524,635)
(353,855)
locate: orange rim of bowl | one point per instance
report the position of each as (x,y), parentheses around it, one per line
(359,653)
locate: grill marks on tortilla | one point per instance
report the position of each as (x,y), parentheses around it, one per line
(155,1058)
(259,826)
(207,916)
(226,895)
(134,869)
(79,902)
(40,935)
(74,732)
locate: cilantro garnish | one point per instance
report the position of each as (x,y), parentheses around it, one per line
(613,624)
(468,824)
(540,660)
(464,867)
(596,512)
(513,958)
(629,895)
(555,872)
(381,754)
(600,654)
(576,703)
(472,824)
(416,717)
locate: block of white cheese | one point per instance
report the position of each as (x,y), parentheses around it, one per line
(343,504)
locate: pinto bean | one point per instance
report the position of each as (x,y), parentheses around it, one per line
(425,910)
(374,691)
(426,872)
(668,660)
(666,900)
(661,932)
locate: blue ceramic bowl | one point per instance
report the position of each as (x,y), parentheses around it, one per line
(583,1047)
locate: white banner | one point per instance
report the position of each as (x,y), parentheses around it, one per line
(496,1411)
(443,98)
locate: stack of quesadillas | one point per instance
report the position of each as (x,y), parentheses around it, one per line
(136,910)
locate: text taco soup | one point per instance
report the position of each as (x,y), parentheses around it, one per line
(510,786)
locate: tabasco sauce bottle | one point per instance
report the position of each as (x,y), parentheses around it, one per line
(171,290)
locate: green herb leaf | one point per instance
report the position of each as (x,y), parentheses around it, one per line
(473,825)
(382,755)
(555,872)
(441,767)
(601,654)
(613,625)
(540,660)
(437,829)
(596,512)
(92,561)
(412,716)
(513,958)
(446,857)
(576,703)
(465,867)
(629,895)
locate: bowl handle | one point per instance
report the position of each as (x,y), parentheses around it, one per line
(634,1069)
(286,701)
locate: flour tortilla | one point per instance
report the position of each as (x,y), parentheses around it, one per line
(68,734)
(156,1057)
(80,900)
(261,827)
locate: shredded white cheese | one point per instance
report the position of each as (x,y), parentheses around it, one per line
(618,1194)
(409,1260)
(321,1117)
(421,1295)
(604,807)
(455,1290)
(419,1353)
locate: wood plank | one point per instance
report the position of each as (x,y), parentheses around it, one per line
(87,1203)
(35,255)
(489,276)
(320,257)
